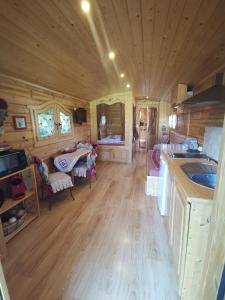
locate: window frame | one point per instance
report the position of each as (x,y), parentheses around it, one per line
(57,137)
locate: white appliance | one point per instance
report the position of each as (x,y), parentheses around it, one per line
(162,198)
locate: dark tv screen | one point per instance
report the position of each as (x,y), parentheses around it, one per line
(80,116)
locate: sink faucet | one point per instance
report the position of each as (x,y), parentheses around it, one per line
(212,159)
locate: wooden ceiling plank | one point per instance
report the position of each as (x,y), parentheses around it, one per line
(204,47)
(148,13)
(188,16)
(135,22)
(174,16)
(158,43)
(75,68)
(198,43)
(126,51)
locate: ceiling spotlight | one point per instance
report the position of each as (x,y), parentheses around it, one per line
(128,85)
(111,55)
(85,5)
(122,75)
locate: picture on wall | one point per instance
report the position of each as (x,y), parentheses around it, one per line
(19,122)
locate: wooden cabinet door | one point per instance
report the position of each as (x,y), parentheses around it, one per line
(169,189)
(170,196)
(120,155)
(180,231)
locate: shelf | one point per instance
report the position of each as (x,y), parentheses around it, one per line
(10,203)
(28,219)
(17,172)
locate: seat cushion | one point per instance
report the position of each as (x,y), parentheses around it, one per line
(153,162)
(59,181)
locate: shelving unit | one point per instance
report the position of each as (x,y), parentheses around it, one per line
(9,203)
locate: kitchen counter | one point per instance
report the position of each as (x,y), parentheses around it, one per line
(192,191)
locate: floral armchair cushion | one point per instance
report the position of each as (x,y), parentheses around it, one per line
(43,169)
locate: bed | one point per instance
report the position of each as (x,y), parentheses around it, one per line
(111,140)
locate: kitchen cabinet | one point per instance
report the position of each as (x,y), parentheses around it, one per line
(188,231)
(179,231)
(169,197)
(113,154)
(179,94)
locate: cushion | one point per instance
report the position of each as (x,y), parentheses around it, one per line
(153,162)
(59,181)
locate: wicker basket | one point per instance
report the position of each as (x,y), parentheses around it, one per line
(11,227)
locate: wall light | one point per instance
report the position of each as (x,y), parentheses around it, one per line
(85,5)
(128,85)
(111,55)
(122,75)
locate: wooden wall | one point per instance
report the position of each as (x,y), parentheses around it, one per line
(113,115)
(193,120)
(19,95)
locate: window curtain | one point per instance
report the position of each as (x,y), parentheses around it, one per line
(102,130)
(122,111)
(98,120)
(152,129)
(135,133)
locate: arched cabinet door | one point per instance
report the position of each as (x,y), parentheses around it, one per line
(52,123)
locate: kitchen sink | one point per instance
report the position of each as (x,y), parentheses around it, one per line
(201,173)
(188,155)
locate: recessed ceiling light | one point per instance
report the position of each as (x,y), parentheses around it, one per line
(128,85)
(85,5)
(111,55)
(122,75)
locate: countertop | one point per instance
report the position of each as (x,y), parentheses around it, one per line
(192,191)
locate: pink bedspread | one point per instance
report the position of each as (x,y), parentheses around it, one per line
(153,162)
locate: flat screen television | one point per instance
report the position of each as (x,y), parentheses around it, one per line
(80,116)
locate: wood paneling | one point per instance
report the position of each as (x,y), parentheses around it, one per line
(113,115)
(19,95)
(192,121)
(157,43)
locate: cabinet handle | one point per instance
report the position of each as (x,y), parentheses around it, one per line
(211,220)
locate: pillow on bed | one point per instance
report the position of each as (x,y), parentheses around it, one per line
(115,137)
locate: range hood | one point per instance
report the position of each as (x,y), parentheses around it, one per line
(213,95)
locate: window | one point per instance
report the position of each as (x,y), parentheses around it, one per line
(65,123)
(103,120)
(52,123)
(46,123)
(173,121)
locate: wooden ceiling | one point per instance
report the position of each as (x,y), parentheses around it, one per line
(157,44)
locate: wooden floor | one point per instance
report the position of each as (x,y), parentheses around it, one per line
(108,244)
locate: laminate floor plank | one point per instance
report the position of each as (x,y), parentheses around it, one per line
(108,244)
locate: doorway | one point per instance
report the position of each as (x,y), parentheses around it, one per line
(143,125)
(146,127)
